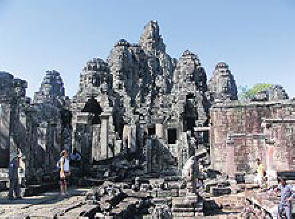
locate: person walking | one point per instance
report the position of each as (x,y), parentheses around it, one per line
(287,195)
(64,173)
(14,186)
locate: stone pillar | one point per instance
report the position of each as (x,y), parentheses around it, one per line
(13,145)
(42,136)
(211,140)
(230,167)
(104,136)
(191,182)
(132,138)
(159,130)
(95,149)
(125,137)
(118,147)
(24,147)
(4,134)
(74,134)
(140,135)
(270,166)
(57,139)
(86,143)
(148,155)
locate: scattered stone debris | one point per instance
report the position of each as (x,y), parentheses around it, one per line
(156,140)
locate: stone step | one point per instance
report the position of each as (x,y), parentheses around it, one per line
(4,175)
(159,201)
(32,190)
(183,209)
(181,215)
(3,170)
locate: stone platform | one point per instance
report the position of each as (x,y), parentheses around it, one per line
(48,205)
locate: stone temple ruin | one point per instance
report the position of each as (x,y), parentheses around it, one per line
(149,124)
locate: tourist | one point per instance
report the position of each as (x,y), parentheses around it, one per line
(286,197)
(260,173)
(21,167)
(64,171)
(75,158)
(14,186)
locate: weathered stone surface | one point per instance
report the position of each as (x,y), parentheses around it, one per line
(52,89)
(216,191)
(49,205)
(12,99)
(37,131)
(222,85)
(242,133)
(141,118)
(148,104)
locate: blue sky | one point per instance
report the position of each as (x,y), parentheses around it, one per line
(255,37)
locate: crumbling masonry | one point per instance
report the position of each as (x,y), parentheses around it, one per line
(143,113)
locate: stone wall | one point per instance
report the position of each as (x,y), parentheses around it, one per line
(280,150)
(36,130)
(12,101)
(241,133)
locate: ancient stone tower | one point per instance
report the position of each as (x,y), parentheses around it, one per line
(148,104)
(222,85)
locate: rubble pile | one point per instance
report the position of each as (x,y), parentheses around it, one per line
(145,197)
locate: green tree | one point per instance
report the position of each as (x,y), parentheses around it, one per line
(245,93)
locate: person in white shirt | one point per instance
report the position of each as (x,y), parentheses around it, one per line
(64,171)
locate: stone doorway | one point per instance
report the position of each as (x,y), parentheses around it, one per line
(172,136)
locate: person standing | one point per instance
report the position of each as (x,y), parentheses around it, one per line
(75,158)
(21,167)
(14,186)
(260,173)
(287,195)
(64,172)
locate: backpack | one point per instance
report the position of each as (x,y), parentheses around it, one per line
(58,163)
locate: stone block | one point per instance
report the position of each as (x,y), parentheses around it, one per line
(249,178)
(220,191)
(182,192)
(160,201)
(210,184)
(164,194)
(188,214)
(174,192)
